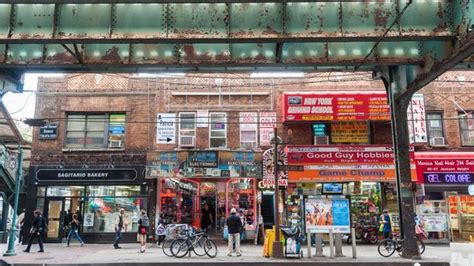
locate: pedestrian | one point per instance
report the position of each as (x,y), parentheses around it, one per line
(119,225)
(37,229)
(21,223)
(234,226)
(206,218)
(386,225)
(143,225)
(74,230)
(419,230)
(160,230)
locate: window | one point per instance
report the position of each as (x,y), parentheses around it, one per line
(95,131)
(435,126)
(217,130)
(187,129)
(466,122)
(248,122)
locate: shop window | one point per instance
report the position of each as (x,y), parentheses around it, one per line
(95,131)
(466,122)
(128,191)
(218,130)
(63,191)
(93,191)
(435,129)
(100,213)
(187,129)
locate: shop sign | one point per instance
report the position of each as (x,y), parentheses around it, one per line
(202,118)
(322,214)
(269,184)
(449,178)
(320,129)
(49,131)
(344,163)
(416,119)
(86,175)
(202,159)
(350,132)
(435,223)
(267,121)
(248,121)
(166,128)
(445,167)
(340,106)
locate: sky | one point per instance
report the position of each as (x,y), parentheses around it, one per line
(22,105)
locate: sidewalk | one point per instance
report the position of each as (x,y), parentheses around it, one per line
(252,255)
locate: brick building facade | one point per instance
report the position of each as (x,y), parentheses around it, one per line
(215,168)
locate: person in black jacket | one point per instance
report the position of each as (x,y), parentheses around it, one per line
(37,229)
(234,226)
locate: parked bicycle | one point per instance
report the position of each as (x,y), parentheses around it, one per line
(198,242)
(173,232)
(388,246)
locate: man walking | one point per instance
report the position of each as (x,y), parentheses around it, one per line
(118,228)
(234,226)
(37,230)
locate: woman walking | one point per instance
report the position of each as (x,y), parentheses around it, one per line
(143,225)
(74,230)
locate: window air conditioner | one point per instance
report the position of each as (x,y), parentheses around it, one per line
(437,141)
(187,141)
(321,140)
(116,144)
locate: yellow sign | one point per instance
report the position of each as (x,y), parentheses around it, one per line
(350,132)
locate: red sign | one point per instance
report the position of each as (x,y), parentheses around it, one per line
(344,163)
(341,106)
(440,164)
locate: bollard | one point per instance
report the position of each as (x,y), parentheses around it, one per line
(319,245)
(354,249)
(338,242)
(331,243)
(308,237)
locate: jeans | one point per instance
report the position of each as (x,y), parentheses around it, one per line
(34,235)
(234,237)
(74,232)
(118,236)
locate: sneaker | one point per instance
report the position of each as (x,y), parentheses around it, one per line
(40,251)
(117,247)
(82,244)
(27,251)
(229,254)
(239,254)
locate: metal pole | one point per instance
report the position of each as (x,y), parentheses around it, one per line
(277,246)
(11,240)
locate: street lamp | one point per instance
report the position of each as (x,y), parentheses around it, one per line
(12,235)
(277,247)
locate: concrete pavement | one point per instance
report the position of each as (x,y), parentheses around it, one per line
(92,254)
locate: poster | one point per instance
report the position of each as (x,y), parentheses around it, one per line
(350,132)
(248,121)
(267,121)
(340,106)
(324,213)
(435,223)
(88,219)
(269,166)
(166,128)
(416,119)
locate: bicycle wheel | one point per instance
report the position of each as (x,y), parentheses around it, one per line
(199,247)
(179,248)
(167,247)
(421,246)
(386,248)
(211,248)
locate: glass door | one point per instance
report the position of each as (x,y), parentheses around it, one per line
(54,214)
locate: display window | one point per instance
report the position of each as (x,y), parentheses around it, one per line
(433,215)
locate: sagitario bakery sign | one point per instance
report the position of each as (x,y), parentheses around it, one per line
(445,168)
(344,163)
(341,106)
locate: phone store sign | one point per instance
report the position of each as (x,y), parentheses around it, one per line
(448,178)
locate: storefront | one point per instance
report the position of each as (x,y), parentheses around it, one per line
(364,172)
(446,207)
(190,180)
(95,194)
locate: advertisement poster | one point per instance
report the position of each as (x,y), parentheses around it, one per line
(435,223)
(267,121)
(322,214)
(445,167)
(344,163)
(166,128)
(341,106)
(269,166)
(88,219)
(350,132)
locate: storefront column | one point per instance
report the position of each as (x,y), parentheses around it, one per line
(395,80)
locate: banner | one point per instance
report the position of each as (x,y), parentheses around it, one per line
(344,163)
(166,128)
(350,132)
(445,167)
(435,223)
(267,121)
(322,214)
(342,106)
(416,119)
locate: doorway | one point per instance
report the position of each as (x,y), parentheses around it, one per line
(54,214)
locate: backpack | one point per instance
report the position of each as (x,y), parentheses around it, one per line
(145,221)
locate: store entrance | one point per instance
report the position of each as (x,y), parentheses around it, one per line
(56,211)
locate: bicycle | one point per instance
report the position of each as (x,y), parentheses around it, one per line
(173,232)
(388,246)
(198,242)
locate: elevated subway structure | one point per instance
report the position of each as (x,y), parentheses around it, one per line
(406,43)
